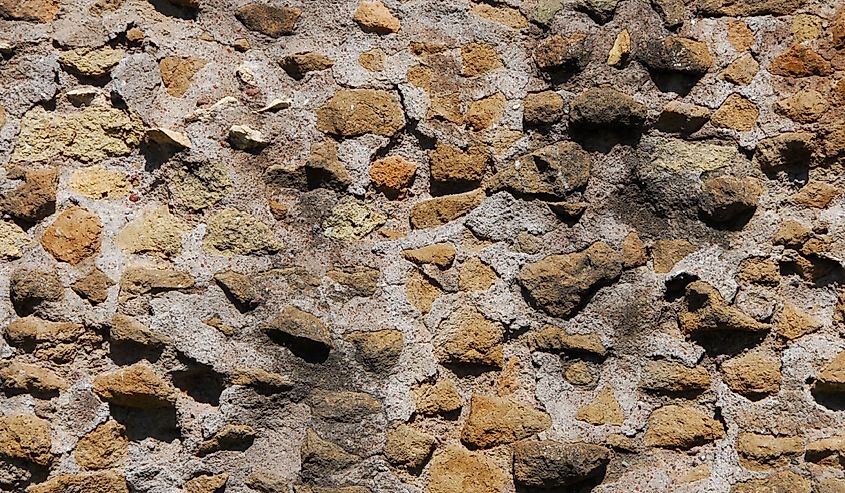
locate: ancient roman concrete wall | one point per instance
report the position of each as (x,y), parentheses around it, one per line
(440,246)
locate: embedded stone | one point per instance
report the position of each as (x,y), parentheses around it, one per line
(456,470)
(136,386)
(177,72)
(737,113)
(805,106)
(360,280)
(440,255)
(94,482)
(406,447)
(468,337)
(548,464)
(753,374)
(552,172)
(301,332)
(320,456)
(789,149)
(441,210)
(355,112)
(496,421)
(351,220)
(793,323)
(373,16)
(104,447)
(563,54)
(29,289)
(262,380)
(600,11)
(680,117)
(669,377)
(234,232)
(19,377)
(666,253)
(831,380)
(207,483)
(124,329)
(97,182)
(26,438)
(727,199)
(13,241)
(267,19)
(681,427)
(603,410)
(779,482)
(95,62)
(378,350)
(706,311)
(475,275)
(676,54)
(758,452)
(393,176)
(557,340)
(800,61)
(452,165)
(441,397)
(560,284)
(230,437)
(30,10)
(73,236)
(154,231)
(598,107)
(55,341)
(246,138)
(479,58)
(344,406)
(542,108)
(300,64)
(35,199)
(240,289)
(137,281)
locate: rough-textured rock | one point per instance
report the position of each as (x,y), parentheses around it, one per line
(496,421)
(201,186)
(780,482)
(27,438)
(727,199)
(373,16)
(670,377)
(706,311)
(393,176)
(344,406)
(124,329)
(606,107)
(13,240)
(320,456)
(29,289)
(676,54)
(233,232)
(468,337)
(558,53)
(154,231)
(240,288)
(91,62)
(549,464)
(552,172)
(804,106)
(789,149)
(542,108)
(800,61)
(450,164)
(831,378)
(441,210)
(455,469)
(681,427)
(104,447)
(556,339)
(351,220)
(230,437)
(54,341)
(762,451)
(96,182)
(268,19)
(793,323)
(20,377)
(682,117)
(406,447)
(137,281)
(136,386)
(354,112)
(479,58)
(299,331)
(29,10)
(96,482)
(736,113)
(604,409)
(440,397)
(299,64)
(378,350)
(73,236)
(742,70)
(440,255)
(207,483)
(561,284)
(752,374)
(33,200)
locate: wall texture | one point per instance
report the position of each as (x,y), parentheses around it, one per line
(422,246)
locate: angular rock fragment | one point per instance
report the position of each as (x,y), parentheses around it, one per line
(124,329)
(360,280)
(685,118)
(831,380)
(406,447)
(26,438)
(30,10)
(93,286)
(167,137)
(563,55)
(552,172)
(455,469)
(245,138)
(267,19)
(758,452)
(542,108)
(13,240)
(344,406)
(672,12)
(177,72)
(94,482)
(560,284)
(468,337)
(393,176)
(373,16)
(234,232)
(440,255)
(676,54)
(91,62)
(599,107)
(737,113)
(262,380)
(320,456)
(441,397)
(207,483)
(496,421)
(779,482)
(240,289)
(805,106)
(378,350)
(479,58)
(230,437)
(786,150)
(73,236)
(299,64)
(19,377)
(351,220)
(555,339)
(746,8)
(754,374)
(453,166)
(548,464)
(800,60)
(600,11)
(355,112)
(301,332)
(137,386)
(35,199)
(742,70)
(669,377)
(441,210)
(706,311)
(30,289)
(138,281)
(155,231)
(104,447)
(55,341)
(728,200)
(681,427)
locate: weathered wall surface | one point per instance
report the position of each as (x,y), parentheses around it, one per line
(423,246)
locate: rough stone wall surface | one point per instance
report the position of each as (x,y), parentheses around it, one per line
(422,246)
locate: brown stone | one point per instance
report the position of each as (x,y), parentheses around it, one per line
(301,332)
(542,108)
(344,406)
(407,447)
(666,253)
(758,452)
(633,251)
(706,311)
(241,289)
(827,451)
(299,64)
(421,291)
(793,323)
(230,437)
(815,194)
(373,16)
(753,374)
(268,20)
(579,373)
(758,271)
(621,49)
(450,164)
(789,149)
(800,61)
(207,483)
(177,72)
(805,106)
(556,340)
(93,286)
(30,289)
(496,421)
(124,329)
(136,386)
(475,275)
(746,8)
(681,427)
(320,456)
(393,176)
(360,280)
(30,10)
(831,379)
(94,482)
(605,107)
(560,54)
(262,380)
(837,29)
(729,199)
(104,447)
(456,470)
(440,255)
(378,350)
(551,172)
(373,60)
(354,112)
(669,377)
(506,16)
(479,58)
(736,113)
(780,482)
(441,397)
(485,112)
(35,199)
(740,36)
(468,337)
(676,54)
(603,410)
(19,377)
(441,210)
(551,465)
(742,70)
(73,236)
(26,438)
(55,341)
(137,281)
(680,117)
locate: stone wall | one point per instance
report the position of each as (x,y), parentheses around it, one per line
(440,246)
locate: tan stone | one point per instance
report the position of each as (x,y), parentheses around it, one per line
(373,60)
(562,54)
(758,271)
(603,410)
(35,199)
(393,176)
(299,64)
(229,437)
(479,58)
(800,61)
(177,72)
(742,70)
(475,275)
(804,106)
(354,112)
(137,281)
(806,27)
(706,311)
(421,291)
(794,323)
(136,386)
(207,483)
(94,482)
(758,452)
(456,470)
(407,447)
(298,328)
(13,241)
(104,447)
(320,456)
(197,187)
(373,16)
(30,10)
(92,62)
(681,427)
(468,337)
(780,482)
(666,253)
(450,164)
(352,220)
(26,438)
(815,194)
(556,339)
(621,49)
(542,108)
(378,350)
(752,374)
(670,377)
(267,19)
(485,112)
(740,36)
(97,182)
(56,341)
(441,210)
(260,379)
(737,113)
(501,14)
(440,255)
(578,373)
(154,231)
(837,29)
(234,232)
(496,421)
(125,329)
(361,280)
(827,451)
(633,251)
(73,236)
(830,485)
(19,377)
(441,397)
(831,379)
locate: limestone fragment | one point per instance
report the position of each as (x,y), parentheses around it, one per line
(758,452)
(621,49)
(351,220)
(753,374)
(441,210)
(378,350)
(301,332)
(737,113)
(441,397)
(501,14)
(97,182)
(154,231)
(373,60)
(542,108)
(779,482)
(13,241)
(451,165)
(496,421)
(262,380)
(29,289)
(30,10)
(794,323)
(104,447)
(91,62)
(406,447)
(475,275)
(603,410)
(355,112)
(557,340)
(26,438)
(200,186)
(706,311)
(421,291)
(207,483)
(468,337)
(267,19)
(805,106)
(742,70)
(234,232)
(177,72)
(344,406)
(73,236)
(56,341)
(729,199)
(548,464)
(124,329)
(240,289)
(563,55)
(455,469)
(299,64)
(373,16)
(831,379)
(551,172)
(800,60)
(137,281)
(479,58)
(165,136)
(246,138)
(666,253)
(19,377)
(669,377)
(604,106)
(440,255)
(561,284)
(135,386)
(94,482)
(392,176)
(681,427)
(230,437)
(360,280)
